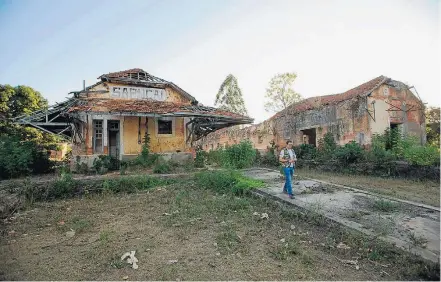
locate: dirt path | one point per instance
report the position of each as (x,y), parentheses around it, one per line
(408,226)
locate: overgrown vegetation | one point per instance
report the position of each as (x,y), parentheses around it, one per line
(227,182)
(18,157)
(66,187)
(145,158)
(384,205)
(390,154)
(236,156)
(23,150)
(104,163)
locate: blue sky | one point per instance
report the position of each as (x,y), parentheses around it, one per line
(332,45)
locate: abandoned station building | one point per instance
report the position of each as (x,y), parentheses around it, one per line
(112,116)
(355,115)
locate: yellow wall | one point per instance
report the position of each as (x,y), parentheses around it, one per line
(130,135)
(158,144)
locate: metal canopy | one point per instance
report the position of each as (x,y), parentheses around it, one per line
(54,120)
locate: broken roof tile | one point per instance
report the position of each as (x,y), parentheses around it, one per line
(148,106)
(317,101)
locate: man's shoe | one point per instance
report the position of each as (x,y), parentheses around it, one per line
(291,196)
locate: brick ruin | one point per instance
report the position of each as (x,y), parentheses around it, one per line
(355,115)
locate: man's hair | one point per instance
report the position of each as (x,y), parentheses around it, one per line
(288,141)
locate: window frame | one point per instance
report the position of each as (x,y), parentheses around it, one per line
(95,128)
(173,126)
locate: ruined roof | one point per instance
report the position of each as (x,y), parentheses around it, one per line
(148,106)
(138,77)
(137,73)
(314,102)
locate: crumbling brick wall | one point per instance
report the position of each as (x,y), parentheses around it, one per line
(356,119)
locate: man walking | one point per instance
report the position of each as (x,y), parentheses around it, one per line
(288,158)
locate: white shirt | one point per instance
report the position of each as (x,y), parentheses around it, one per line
(291,153)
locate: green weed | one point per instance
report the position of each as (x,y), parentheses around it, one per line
(384,205)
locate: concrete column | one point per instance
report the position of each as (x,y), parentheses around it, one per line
(105,137)
(121,138)
(89,135)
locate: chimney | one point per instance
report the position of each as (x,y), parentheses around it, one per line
(84,85)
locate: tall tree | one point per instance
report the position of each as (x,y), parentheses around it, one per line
(21,100)
(433,125)
(280,93)
(229,97)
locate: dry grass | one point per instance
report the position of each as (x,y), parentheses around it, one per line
(212,237)
(426,192)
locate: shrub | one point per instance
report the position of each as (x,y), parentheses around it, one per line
(326,147)
(145,159)
(132,184)
(270,158)
(349,153)
(305,151)
(258,159)
(201,158)
(237,156)
(162,167)
(63,187)
(226,182)
(422,155)
(101,164)
(22,157)
(218,157)
(403,144)
(241,155)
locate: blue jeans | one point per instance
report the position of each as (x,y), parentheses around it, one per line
(289,173)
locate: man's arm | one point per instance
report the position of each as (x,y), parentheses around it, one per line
(281,156)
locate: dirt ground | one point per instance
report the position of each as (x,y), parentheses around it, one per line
(181,232)
(426,192)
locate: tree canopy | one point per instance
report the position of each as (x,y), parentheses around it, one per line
(280,93)
(22,100)
(229,97)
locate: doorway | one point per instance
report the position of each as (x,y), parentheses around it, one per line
(113,135)
(309,136)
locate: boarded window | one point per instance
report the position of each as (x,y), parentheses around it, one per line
(98,136)
(165,126)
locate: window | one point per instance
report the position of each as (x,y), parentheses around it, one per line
(98,136)
(165,126)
